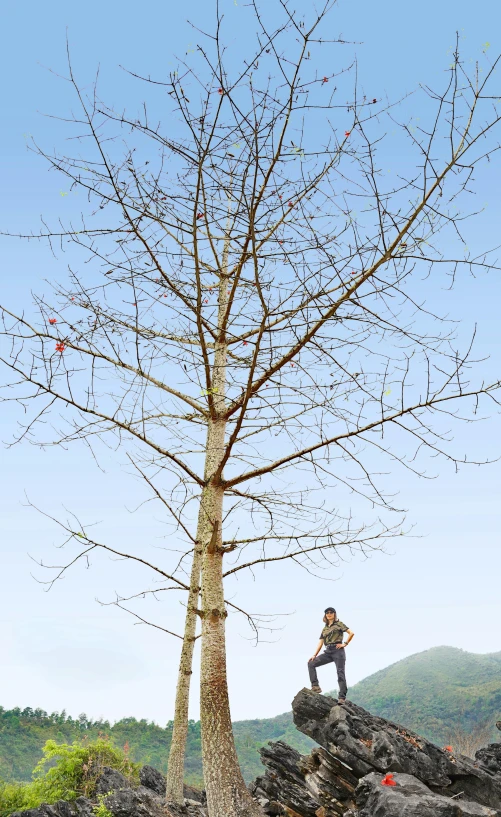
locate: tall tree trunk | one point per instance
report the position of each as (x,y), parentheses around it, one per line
(175,769)
(227,794)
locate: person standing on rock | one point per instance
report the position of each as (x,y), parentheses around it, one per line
(331,638)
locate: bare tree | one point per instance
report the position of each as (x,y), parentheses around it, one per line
(466,741)
(251,319)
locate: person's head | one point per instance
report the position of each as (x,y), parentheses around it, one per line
(330,615)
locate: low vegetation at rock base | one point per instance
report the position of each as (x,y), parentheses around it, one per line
(65,772)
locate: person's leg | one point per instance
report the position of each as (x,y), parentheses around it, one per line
(320,660)
(340,661)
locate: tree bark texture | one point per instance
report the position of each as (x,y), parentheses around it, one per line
(227,794)
(175,769)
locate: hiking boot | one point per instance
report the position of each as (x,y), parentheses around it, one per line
(316,688)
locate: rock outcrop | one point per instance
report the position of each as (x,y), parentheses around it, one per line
(364,766)
(357,751)
(124,800)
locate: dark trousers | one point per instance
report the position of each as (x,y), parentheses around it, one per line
(330,655)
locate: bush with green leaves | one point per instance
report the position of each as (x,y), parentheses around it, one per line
(67,771)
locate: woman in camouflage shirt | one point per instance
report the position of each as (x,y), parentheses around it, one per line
(331,638)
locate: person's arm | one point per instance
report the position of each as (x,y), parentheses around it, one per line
(319,647)
(350,636)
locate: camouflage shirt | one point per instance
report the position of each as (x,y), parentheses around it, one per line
(334,633)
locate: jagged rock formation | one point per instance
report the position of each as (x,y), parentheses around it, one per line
(344,776)
(122,800)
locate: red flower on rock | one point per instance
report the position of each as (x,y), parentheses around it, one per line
(52,321)
(388,780)
(448,749)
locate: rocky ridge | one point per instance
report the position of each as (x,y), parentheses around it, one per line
(359,751)
(364,766)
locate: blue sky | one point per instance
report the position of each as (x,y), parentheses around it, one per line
(61,649)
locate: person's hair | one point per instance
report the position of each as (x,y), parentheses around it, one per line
(325,617)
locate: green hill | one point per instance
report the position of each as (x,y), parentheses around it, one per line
(434,691)
(430,692)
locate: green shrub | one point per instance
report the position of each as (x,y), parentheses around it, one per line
(65,772)
(101,810)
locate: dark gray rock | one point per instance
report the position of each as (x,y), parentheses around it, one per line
(195,794)
(78,808)
(141,802)
(489,758)
(366,743)
(304,785)
(411,798)
(152,779)
(111,780)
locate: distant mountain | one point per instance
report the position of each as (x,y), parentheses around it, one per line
(432,691)
(429,692)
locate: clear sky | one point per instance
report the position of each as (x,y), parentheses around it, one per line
(61,649)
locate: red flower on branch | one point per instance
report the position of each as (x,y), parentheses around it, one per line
(200,215)
(347,132)
(290,203)
(388,780)
(221,91)
(374,101)
(60,347)
(325,79)
(52,321)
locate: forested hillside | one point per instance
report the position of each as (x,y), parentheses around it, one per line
(24,732)
(434,690)
(429,692)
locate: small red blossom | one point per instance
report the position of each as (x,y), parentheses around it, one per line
(163,198)
(221,91)
(374,101)
(353,272)
(347,132)
(448,748)
(290,203)
(72,299)
(280,242)
(60,347)
(200,215)
(245,343)
(325,79)
(52,321)
(206,301)
(388,780)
